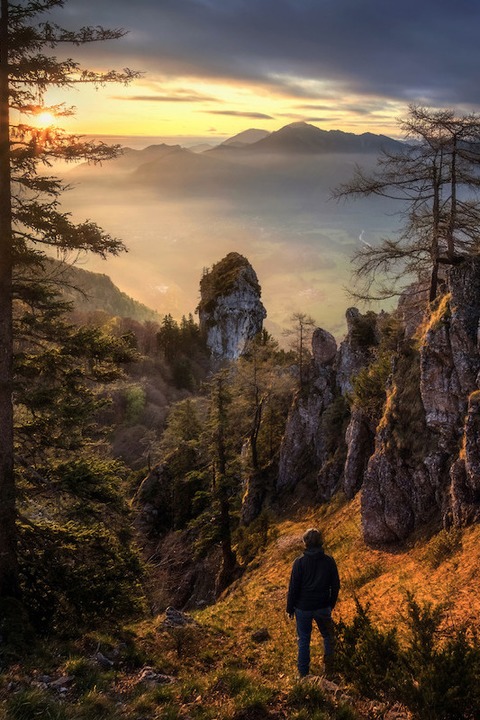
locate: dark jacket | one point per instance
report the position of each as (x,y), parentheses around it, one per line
(314,582)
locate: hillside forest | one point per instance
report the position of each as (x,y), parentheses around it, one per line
(157,473)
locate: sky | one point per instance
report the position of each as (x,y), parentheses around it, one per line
(212,68)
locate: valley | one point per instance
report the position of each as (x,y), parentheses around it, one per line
(179,211)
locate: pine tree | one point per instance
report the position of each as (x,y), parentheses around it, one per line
(31,221)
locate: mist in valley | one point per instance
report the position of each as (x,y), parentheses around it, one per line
(179,212)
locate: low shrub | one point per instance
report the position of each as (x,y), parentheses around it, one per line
(34,703)
(435,673)
(367,655)
(254,538)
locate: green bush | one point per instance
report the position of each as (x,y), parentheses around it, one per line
(72,575)
(366,655)
(90,478)
(252,539)
(435,673)
(439,673)
(135,398)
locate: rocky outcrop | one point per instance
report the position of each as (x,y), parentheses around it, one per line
(314,441)
(153,500)
(303,445)
(356,350)
(360,439)
(420,462)
(426,462)
(230,309)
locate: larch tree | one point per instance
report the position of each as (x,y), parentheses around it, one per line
(301,332)
(31,221)
(435,176)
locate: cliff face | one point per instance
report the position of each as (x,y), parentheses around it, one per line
(421,461)
(230,309)
(313,443)
(304,445)
(425,463)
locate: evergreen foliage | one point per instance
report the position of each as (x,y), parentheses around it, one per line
(435,672)
(185,350)
(32,224)
(78,561)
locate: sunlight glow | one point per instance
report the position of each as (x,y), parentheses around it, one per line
(45,119)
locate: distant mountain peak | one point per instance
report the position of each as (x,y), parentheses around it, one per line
(299,124)
(247,137)
(302,137)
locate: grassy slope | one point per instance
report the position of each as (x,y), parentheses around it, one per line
(379,577)
(220,671)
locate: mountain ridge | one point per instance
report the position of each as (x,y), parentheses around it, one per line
(304,137)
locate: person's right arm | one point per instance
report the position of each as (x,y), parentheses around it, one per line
(334,583)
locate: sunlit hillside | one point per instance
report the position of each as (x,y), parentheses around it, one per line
(237,659)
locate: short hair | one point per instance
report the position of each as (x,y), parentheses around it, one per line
(312,538)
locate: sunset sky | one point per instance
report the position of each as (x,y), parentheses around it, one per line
(216,67)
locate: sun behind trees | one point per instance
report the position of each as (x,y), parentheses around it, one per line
(31,223)
(436,178)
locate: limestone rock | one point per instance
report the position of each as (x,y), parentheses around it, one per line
(176,618)
(303,447)
(360,438)
(152,501)
(427,462)
(230,310)
(253,497)
(465,472)
(355,351)
(310,444)
(324,347)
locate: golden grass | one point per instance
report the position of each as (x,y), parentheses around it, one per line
(220,671)
(380,577)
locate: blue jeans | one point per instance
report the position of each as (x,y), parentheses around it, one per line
(305,618)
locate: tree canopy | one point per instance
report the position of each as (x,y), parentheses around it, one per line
(33,226)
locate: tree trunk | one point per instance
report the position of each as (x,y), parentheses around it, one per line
(229,560)
(453,204)
(8,549)
(437,174)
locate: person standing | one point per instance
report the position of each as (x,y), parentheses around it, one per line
(312,595)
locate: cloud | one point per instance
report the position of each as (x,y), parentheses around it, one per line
(238,113)
(192,98)
(400,51)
